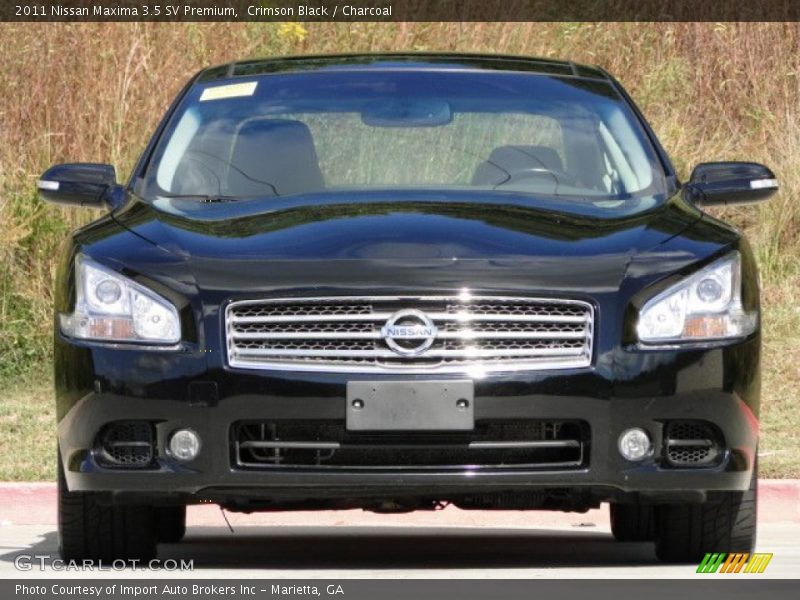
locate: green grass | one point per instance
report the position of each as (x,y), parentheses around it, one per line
(780,417)
(27,428)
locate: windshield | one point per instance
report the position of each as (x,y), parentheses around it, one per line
(300,133)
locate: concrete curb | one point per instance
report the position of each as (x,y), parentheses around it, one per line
(35,504)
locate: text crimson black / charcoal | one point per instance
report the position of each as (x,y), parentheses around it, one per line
(318,11)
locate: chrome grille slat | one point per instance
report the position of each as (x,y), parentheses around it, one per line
(390,354)
(344,334)
(382,316)
(444,335)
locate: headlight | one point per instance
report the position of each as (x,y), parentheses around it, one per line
(705,306)
(111,307)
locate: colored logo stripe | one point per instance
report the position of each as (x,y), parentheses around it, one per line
(758,563)
(711,562)
(734,563)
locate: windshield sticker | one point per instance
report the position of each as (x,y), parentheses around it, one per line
(233,90)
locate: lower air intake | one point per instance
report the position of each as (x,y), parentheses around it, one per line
(322,445)
(692,444)
(126,444)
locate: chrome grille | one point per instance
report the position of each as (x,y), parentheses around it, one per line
(473,334)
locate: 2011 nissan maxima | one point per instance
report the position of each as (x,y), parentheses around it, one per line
(393,282)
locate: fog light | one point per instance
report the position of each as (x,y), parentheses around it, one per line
(634,444)
(184,444)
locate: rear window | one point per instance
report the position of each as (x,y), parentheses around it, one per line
(352,153)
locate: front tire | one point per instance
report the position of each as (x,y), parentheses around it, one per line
(724,523)
(89,530)
(171,524)
(632,522)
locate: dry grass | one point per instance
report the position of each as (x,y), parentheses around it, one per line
(95,91)
(27,420)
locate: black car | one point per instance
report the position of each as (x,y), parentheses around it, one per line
(393,282)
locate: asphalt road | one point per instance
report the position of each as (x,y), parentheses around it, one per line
(571,549)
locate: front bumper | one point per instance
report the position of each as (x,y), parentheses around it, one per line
(701,386)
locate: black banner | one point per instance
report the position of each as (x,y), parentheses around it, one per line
(399,10)
(389,589)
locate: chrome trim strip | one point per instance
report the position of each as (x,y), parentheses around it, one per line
(470,445)
(540,444)
(442,335)
(429,354)
(690,443)
(403,470)
(462,299)
(436,316)
(298,445)
(475,370)
(131,443)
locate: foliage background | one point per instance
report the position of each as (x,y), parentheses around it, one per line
(94,92)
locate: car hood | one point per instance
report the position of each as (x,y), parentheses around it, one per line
(450,240)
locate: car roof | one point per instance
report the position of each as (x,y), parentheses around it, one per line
(402,61)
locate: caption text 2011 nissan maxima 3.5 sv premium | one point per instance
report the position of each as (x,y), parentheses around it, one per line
(394,282)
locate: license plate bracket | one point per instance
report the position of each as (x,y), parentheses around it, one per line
(410,405)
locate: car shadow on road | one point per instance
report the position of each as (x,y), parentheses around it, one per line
(311,548)
(314,548)
(45,545)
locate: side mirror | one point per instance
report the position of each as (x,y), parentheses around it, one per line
(81,184)
(721,183)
